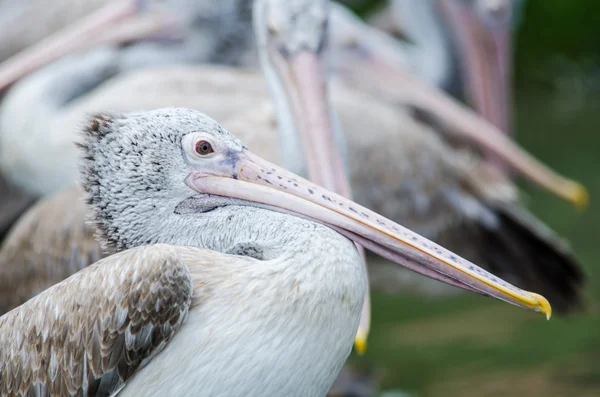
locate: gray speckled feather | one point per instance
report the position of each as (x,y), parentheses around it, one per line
(89,334)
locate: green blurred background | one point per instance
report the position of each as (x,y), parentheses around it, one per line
(470,346)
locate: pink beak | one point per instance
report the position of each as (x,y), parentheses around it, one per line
(101,27)
(248,177)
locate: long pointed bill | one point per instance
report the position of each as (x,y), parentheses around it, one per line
(486,66)
(256,180)
(103,26)
(369,72)
(306,86)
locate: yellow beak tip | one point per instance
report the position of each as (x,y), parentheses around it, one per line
(544,305)
(360,343)
(580,197)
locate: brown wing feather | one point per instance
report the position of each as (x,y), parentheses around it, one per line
(89,334)
(49,243)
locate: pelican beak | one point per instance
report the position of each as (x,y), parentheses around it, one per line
(306,87)
(487,59)
(485,50)
(372,70)
(246,176)
(104,26)
(305,83)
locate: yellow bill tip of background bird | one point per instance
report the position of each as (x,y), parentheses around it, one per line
(543,304)
(580,197)
(360,343)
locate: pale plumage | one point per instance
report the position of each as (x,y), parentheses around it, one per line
(275,303)
(130,305)
(236,289)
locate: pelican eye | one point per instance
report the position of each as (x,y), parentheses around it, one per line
(204,148)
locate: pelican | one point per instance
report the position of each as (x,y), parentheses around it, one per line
(426,23)
(37,227)
(262,294)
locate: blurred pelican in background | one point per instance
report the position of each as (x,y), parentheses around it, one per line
(438,190)
(351,40)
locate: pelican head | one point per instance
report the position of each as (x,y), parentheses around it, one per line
(158,172)
(291,27)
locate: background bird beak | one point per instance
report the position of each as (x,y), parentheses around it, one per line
(104,26)
(256,180)
(486,65)
(306,84)
(371,72)
(487,61)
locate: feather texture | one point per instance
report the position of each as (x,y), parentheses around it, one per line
(89,334)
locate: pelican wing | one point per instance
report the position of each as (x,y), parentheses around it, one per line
(92,332)
(49,243)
